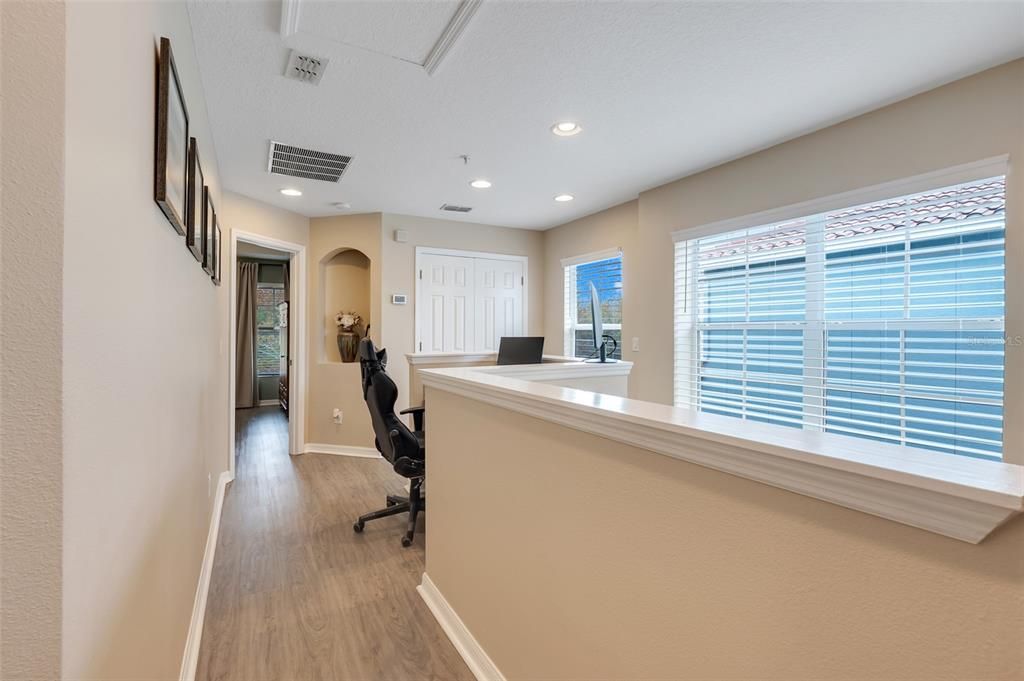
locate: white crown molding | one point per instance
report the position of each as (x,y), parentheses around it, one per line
(468,647)
(955,496)
(341,450)
(456,26)
(190,658)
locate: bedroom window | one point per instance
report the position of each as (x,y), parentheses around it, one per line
(268,335)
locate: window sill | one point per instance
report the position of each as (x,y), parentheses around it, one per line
(955,496)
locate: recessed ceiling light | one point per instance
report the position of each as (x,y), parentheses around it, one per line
(291,192)
(562,198)
(480,184)
(566,128)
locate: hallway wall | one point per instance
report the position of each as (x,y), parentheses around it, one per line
(145,356)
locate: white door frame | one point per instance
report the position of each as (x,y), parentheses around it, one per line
(299,371)
(428,250)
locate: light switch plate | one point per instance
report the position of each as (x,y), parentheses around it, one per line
(399,299)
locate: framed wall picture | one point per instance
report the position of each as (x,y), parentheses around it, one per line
(216,253)
(209,220)
(195,230)
(172,142)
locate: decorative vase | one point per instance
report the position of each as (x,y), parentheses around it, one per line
(348,345)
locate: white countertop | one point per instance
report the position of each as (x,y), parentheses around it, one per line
(468,357)
(958,496)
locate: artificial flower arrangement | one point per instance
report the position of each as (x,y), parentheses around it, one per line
(347,321)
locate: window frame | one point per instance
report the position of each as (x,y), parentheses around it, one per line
(571,323)
(687,330)
(259,328)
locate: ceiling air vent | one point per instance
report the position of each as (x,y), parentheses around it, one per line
(305,67)
(307,163)
(455,209)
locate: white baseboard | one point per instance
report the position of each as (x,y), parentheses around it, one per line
(269,403)
(475,657)
(190,659)
(341,450)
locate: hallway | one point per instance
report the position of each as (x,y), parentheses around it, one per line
(295,593)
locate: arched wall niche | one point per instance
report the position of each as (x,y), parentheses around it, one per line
(344,287)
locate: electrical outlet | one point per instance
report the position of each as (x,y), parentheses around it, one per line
(338,415)
(636,344)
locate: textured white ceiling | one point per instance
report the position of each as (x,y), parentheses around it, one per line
(404,30)
(663,89)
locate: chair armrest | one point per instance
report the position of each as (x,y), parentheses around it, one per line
(417,416)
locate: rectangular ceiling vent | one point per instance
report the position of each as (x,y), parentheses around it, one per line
(305,67)
(455,209)
(308,163)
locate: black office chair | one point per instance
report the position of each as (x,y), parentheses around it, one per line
(403,448)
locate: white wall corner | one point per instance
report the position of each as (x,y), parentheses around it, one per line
(469,648)
(190,658)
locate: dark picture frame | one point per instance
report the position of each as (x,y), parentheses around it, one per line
(195,228)
(216,253)
(209,222)
(170,190)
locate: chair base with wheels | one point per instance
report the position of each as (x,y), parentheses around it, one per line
(412,505)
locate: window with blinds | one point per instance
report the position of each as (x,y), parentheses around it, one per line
(606,274)
(881,321)
(268,335)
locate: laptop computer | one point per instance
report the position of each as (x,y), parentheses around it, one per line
(521,350)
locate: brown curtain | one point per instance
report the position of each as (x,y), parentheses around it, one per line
(287,294)
(246,384)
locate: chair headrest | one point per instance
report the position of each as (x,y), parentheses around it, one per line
(367,351)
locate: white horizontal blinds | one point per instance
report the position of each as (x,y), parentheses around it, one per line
(606,275)
(882,321)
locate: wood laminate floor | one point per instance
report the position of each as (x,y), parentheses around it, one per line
(295,593)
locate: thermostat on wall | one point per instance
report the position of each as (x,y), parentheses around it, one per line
(398,299)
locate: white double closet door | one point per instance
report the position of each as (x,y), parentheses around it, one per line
(466,304)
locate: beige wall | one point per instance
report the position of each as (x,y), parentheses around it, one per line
(969,120)
(617,563)
(244,214)
(32,178)
(612,228)
(333,383)
(331,242)
(399,322)
(145,361)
